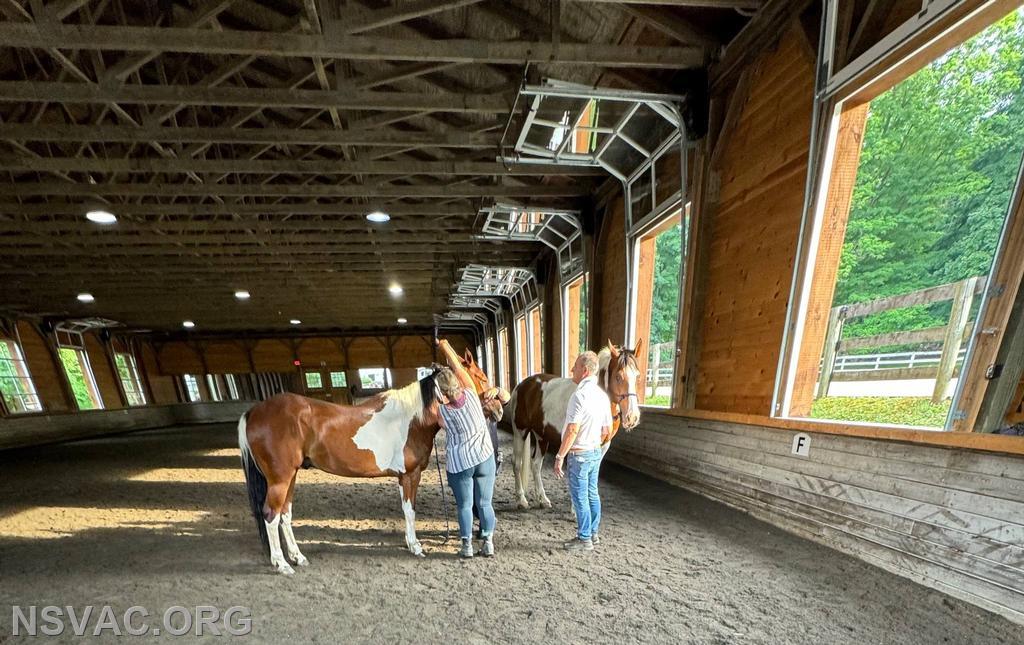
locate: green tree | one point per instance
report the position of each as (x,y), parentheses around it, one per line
(665,295)
(940,158)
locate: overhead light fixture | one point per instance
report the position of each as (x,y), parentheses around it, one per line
(188,324)
(295,321)
(402,321)
(395,289)
(101,216)
(242,295)
(378,217)
(85,297)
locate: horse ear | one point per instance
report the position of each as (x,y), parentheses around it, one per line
(639,345)
(613,349)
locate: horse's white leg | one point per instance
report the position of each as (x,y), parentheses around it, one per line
(276,556)
(538,481)
(407,490)
(290,547)
(520,457)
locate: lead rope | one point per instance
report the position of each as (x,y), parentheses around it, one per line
(444,498)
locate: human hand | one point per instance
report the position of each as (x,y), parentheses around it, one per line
(558,466)
(491,394)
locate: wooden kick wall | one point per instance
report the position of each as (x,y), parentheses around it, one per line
(949,518)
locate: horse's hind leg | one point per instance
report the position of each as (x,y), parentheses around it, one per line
(407,485)
(520,461)
(291,549)
(273,510)
(537,465)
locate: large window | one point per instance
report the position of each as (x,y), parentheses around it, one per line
(314,380)
(191,388)
(374,378)
(658,270)
(16,384)
(535,331)
(503,358)
(490,360)
(917,186)
(232,384)
(213,388)
(130,381)
(79,374)
(522,350)
(338,379)
(574,321)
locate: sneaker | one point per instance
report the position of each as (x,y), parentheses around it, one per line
(595,539)
(579,545)
(487,548)
(466,550)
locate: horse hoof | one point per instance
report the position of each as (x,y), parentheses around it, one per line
(301,561)
(285,569)
(523,505)
(546,503)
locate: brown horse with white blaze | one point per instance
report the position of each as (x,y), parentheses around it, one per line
(388,435)
(536,413)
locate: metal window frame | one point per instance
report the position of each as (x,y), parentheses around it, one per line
(18,357)
(503,221)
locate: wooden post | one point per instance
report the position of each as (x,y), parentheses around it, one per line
(958,317)
(832,337)
(655,365)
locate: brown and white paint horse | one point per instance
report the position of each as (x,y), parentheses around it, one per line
(537,414)
(388,435)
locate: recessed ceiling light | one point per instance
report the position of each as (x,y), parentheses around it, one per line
(402,321)
(242,295)
(378,217)
(295,321)
(395,289)
(85,297)
(188,324)
(101,217)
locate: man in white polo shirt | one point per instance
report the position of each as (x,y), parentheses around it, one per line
(588,422)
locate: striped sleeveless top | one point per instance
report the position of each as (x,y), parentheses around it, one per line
(467,442)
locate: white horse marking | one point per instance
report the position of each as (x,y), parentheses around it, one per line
(276,557)
(290,547)
(410,525)
(386,432)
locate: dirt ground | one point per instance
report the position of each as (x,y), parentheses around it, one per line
(160,518)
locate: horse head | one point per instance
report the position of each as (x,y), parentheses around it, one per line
(492,409)
(619,377)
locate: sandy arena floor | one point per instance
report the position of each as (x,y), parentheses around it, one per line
(160,518)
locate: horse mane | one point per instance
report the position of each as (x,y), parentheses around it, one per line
(416,397)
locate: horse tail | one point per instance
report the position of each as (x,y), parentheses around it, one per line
(255,483)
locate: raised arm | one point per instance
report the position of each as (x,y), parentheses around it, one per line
(456,364)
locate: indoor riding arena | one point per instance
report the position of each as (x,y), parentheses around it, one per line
(288,287)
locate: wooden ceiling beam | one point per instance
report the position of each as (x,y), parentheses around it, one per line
(46,91)
(703,4)
(360,21)
(671,25)
(283,136)
(186,209)
(30,189)
(286,166)
(276,44)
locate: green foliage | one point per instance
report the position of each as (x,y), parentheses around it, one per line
(665,296)
(940,158)
(661,400)
(911,411)
(73,368)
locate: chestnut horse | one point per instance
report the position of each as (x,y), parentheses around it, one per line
(537,413)
(388,435)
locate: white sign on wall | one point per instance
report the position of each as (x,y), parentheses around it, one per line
(802,444)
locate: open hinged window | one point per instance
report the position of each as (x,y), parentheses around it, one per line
(560,230)
(913,245)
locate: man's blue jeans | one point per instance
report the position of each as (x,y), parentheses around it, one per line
(583,470)
(474,487)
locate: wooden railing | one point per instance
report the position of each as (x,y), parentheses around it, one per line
(952,335)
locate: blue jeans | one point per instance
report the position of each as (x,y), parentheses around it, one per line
(583,470)
(474,487)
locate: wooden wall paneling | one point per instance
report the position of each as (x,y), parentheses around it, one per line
(753,234)
(271,355)
(225,357)
(120,398)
